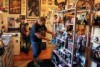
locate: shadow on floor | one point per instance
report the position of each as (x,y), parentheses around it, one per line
(45,63)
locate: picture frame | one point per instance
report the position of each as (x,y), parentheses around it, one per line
(11,22)
(14,6)
(33,9)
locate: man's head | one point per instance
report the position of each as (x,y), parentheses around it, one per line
(42,20)
(55,16)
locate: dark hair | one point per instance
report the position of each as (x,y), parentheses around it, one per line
(42,19)
(55,15)
(26,24)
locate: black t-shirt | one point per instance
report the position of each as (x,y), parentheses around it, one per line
(36,28)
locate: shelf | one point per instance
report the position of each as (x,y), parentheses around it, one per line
(60,39)
(69,24)
(68,51)
(61,58)
(59,66)
(66,10)
(84,10)
(55,64)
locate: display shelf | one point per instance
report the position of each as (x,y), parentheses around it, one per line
(60,39)
(68,10)
(59,66)
(68,51)
(84,10)
(75,43)
(55,64)
(61,58)
(69,24)
(95,36)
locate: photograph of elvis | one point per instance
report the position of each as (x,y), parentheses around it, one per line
(33,8)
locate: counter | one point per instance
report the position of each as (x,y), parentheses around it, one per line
(16,42)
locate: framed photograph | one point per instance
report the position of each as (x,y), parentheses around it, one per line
(11,22)
(32,9)
(15,6)
(22,17)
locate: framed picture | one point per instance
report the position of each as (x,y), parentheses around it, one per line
(15,6)
(11,22)
(22,17)
(32,9)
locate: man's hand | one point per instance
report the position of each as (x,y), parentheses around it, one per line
(27,33)
(53,34)
(47,39)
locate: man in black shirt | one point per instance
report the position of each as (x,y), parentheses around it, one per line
(36,36)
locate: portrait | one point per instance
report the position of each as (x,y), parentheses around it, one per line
(33,9)
(15,6)
(11,22)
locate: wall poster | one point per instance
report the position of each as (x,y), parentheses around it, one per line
(32,9)
(15,6)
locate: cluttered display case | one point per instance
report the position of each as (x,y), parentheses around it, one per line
(95,37)
(72,35)
(6,51)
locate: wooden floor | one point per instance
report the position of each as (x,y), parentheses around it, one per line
(45,54)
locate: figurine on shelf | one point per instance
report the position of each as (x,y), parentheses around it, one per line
(80,48)
(96,53)
(96,42)
(55,21)
(97,21)
(97,7)
(60,25)
(81,42)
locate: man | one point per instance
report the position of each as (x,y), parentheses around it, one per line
(36,36)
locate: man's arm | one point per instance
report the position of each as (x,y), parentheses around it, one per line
(50,32)
(41,37)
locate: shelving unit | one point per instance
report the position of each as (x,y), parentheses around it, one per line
(69,50)
(95,39)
